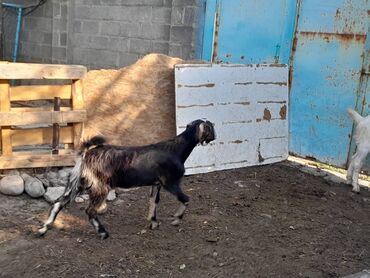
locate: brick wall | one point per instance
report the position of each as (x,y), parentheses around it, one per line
(110,33)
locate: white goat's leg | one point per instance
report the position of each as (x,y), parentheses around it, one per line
(153,202)
(357,164)
(350,170)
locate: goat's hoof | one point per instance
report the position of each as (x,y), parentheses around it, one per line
(104,235)
(176,222)
(41,232)
(153,225)
(356,190)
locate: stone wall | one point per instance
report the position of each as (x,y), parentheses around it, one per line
(108,33)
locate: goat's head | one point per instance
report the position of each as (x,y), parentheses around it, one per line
(205,131)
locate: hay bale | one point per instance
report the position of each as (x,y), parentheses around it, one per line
(133,105)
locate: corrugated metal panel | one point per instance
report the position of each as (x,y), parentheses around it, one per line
(329,45)
(247,103)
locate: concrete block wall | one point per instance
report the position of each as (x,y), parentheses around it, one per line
(35,37)
(111,33)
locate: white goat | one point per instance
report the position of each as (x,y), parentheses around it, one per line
(362,139)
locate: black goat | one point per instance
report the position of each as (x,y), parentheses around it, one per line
(102,167)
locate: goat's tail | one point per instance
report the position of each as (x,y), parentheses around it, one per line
(354,115)
(92,142)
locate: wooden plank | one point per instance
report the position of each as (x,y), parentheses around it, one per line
(6,143)
(36,160)
(42,117)
(37,109)
(9,70)
(24,93)
(77,103)
(36,136)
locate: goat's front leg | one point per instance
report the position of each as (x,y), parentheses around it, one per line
(349,175)
(153,202)
(181,197)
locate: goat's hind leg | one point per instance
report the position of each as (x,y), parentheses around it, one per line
(97,198)
(59,204)
(175,189)
(357,162)
(153,202)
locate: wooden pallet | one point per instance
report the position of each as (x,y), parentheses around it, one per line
(15,121)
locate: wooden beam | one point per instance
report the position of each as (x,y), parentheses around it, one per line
(24,93)
(38,136)
(37,109)
(9,70)
(6,142)
(36,160)
(77,103)
(42,117)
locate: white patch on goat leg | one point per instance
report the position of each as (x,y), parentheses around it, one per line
(178,215)
(154,225)
(96,224)
(180,211)
(152,208)
(102,208)
(355,185)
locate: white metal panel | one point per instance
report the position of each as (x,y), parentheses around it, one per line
(248,105)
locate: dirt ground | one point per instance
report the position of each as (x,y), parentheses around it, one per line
(267,221)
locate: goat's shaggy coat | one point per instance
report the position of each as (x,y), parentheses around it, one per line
(102,167)
(362,139)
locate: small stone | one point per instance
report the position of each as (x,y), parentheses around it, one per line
(34,188)
(40,176)
(63,174)
(85,196)
(45,182)
(51,175)
(12,185)
(240,184)
(53,193)
(79,199)
(214,254)
(58,182)
(111,195)
(266,215)
(291,227)
(182,266)
(142,231)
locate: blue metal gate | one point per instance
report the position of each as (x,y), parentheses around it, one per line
(249,31)
(326,45)
(327,65)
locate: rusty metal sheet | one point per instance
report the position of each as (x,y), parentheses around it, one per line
(328,54)
(247,103)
